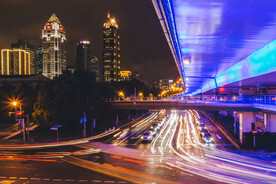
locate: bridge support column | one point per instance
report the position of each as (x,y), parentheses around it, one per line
(270,123)
(246,118)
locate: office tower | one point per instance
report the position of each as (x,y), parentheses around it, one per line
(165,83)
(94,67)
(15,62)
(25,45)
(53,48)
(111,50)
(39,59)
(83,55)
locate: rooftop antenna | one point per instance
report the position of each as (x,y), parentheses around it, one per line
(108,14)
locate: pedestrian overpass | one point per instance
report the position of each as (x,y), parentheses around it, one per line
(258,103)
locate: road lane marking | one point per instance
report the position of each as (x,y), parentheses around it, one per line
(35,178)
(96,181)
(109,181)
(23,178)
(12,178)
(69,180)
(82,180)
(46,179)
(57,180)
(3,177)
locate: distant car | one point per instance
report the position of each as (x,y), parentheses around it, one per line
(153,130)
(156,126)
(147,136)
(207,138)
(202,126)
(203,132)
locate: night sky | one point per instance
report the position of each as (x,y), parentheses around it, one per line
(143,44)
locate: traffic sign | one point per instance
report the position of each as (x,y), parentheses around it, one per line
(254,132)
(19,115)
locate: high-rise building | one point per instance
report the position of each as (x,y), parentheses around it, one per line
(25,45)
(53,48)
(94,67)
(111,50)
(165,83)
(39,60)
(83,55)
(15,62)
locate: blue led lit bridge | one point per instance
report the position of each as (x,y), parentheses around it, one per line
(222,46)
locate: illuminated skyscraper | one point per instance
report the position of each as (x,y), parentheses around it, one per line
(25,45)
(39,60)
(94,67)
(111,50)
(53,48)
(83,55)
(15,62)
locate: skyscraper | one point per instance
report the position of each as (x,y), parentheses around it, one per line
(15,62)
(94,67)
(111,50)
(39,60)
(25,45)
(53,48)
(83,55)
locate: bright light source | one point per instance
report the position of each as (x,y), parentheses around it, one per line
(187,61)
(14,103)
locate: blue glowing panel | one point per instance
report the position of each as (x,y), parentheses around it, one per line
(259,63)
(218,34)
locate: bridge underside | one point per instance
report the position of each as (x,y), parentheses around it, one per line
(229,43)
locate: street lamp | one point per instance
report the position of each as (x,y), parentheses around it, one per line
(15,103)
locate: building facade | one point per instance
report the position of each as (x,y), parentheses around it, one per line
(39,60)
(125,75)
(15,62)
(83,55)
(111,50)
(165,84)
(53,48)
(25,45)
(94,67)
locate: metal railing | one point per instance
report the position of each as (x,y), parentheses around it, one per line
(260,99)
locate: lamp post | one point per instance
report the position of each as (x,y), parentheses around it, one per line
(20,113)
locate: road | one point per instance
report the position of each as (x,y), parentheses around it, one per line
(177,154)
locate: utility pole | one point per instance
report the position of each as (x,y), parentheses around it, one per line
(117,121)
(28,124)
(93,126)
(135,94)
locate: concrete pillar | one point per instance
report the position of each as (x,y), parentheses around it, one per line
(266,122)
(246,118)
(272,123)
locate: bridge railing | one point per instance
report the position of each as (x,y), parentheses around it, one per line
(261,99)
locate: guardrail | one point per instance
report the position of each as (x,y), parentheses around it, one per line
(260,99)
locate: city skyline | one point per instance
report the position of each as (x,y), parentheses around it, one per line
(133,58)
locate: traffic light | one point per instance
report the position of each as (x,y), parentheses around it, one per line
(19,115)
(253,126)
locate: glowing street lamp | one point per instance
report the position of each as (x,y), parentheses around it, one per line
(187,61)
(15,103)
(121,94)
